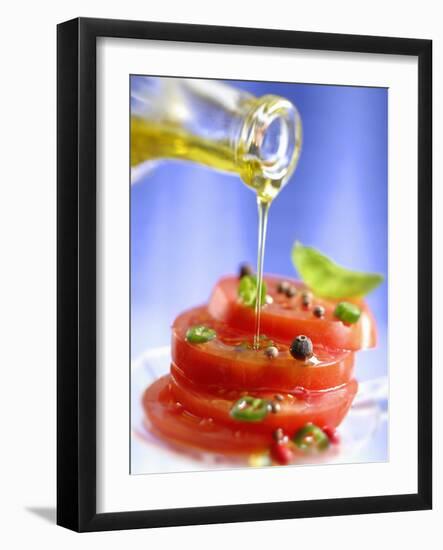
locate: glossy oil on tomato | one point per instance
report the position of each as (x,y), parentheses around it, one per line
(327,407)
(205,423)
(285,318)
(199,404)
(228,361)
(169,420)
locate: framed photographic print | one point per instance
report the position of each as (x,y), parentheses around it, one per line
(244,274)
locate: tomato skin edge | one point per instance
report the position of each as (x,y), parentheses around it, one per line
(322,408)
(334,334)
(186,431)
(209,364)
(171,421)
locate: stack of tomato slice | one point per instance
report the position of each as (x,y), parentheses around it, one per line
(224,396)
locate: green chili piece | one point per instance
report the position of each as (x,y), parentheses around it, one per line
(347,312)
(200,334)
(250,409)
(247,291)
(311,437)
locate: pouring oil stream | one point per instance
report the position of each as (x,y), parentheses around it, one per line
(263,210)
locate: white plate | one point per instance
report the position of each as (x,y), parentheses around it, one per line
(149,454)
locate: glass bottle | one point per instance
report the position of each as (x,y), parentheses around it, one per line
(215,124)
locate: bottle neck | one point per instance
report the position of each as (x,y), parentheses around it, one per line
(268,145)
(216,125)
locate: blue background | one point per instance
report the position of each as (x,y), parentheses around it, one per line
(190,225)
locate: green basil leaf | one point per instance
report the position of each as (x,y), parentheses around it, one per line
(247,290)
(328,279)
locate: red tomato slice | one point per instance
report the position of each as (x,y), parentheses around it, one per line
(170,419)
(226,362)
(323,408)
(285,318)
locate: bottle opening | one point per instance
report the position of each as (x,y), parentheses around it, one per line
(270,145)
(275,142)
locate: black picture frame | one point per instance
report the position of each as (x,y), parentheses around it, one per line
(76,273)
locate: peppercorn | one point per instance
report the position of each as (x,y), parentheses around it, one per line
(245,269)
(282,287)
(271,352)
(319,311)
(291,291)
(279,434)
(306,299)
(274,407)
(301,347)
